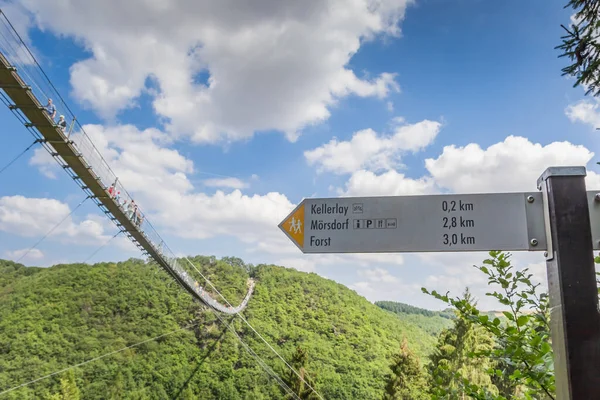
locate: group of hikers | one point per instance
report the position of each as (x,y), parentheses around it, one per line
(131,209)
(51,110)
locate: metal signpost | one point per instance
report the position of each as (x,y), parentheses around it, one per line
(563,220)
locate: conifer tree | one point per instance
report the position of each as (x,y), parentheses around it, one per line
(455,358)
(581,45)
(406,381)
(68,388)
(300,386)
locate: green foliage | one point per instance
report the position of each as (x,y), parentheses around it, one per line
(68,388)
(10,271)
(459,355)
(523,354)
(348,338)
(580,45)
(407,380)
(302,382)
(52,318)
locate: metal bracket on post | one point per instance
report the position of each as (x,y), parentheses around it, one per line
(574,316)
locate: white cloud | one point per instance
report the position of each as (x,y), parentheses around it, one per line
(300,264)
(33,217)
(233,183)
(371,151)
(261,65)
(512,165)
(586,112)
(390,183)
(44,162)
(378,275)
(249,218)
(376,288)
(33,254)
(366,259)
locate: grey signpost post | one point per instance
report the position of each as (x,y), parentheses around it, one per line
(556,220)
(574,318)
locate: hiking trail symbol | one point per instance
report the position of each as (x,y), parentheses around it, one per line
(293,226)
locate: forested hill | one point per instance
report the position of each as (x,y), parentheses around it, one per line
(398,307)
(433,322)
(51,318)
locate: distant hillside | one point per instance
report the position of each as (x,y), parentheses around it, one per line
(432,322)
(397,307)
(56,317)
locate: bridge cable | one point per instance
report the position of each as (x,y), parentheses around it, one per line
(19,156)
(260,361)
(38,64)
(255,331)
(13,32)
(19,62)
(103,246)
(52,230)
(118,351)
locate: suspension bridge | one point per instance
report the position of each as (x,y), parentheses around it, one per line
(80,158)
(23,84)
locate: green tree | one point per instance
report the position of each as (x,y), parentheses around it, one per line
(523,354)
(407,380)
(68,388)
(459,355)
(580,45)
(299,386)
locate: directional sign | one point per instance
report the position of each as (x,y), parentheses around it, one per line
(435,223)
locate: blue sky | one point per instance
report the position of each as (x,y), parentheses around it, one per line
(286,82)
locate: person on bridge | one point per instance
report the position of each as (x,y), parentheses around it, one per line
(134,214)
(139,218)
(131,209)
(62,124)
(50,109)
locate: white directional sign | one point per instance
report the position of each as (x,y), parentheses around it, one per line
(434,223)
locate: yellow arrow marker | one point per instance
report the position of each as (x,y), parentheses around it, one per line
(293,225)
